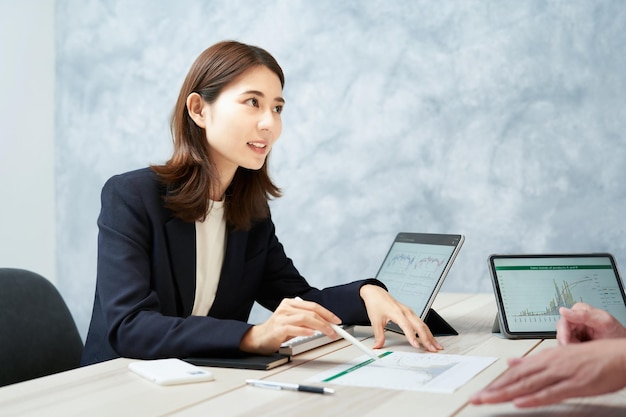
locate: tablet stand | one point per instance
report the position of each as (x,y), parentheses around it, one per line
(437,325)
(496,324)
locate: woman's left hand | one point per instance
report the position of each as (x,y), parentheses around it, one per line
(382,308)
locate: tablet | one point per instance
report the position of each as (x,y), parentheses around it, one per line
(529,290)
(414,270)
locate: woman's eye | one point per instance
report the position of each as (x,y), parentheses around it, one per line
(278,109)
(253,102)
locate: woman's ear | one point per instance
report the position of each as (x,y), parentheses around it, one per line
(195,108)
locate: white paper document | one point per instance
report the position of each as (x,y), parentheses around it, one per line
(431,372)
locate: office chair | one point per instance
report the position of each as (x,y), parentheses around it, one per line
(38,335)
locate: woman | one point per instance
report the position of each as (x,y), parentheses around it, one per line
(185,248)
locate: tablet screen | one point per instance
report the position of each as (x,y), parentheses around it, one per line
(416,266)
(531,288)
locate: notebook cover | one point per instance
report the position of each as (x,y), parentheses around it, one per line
(258,362)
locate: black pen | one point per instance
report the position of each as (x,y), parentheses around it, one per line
(291,387)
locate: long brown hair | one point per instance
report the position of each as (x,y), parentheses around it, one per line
(189,175)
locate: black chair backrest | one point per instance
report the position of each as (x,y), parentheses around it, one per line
(38,335)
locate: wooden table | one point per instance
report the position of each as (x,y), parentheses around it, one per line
(109,389)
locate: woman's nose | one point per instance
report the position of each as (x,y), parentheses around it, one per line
(267,121)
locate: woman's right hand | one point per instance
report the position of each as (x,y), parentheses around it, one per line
(293,317)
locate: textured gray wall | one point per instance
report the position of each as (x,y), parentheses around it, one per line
(500,120)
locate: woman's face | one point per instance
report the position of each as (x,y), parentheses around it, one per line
(244,122)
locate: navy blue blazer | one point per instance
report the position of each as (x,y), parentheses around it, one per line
(146,271)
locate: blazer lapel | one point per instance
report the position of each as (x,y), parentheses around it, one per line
(181,239)
(231,277)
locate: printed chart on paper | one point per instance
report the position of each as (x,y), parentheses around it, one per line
(408,371)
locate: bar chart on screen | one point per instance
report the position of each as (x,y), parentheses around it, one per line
(536,298)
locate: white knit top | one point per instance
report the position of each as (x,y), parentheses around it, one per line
(210,247)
